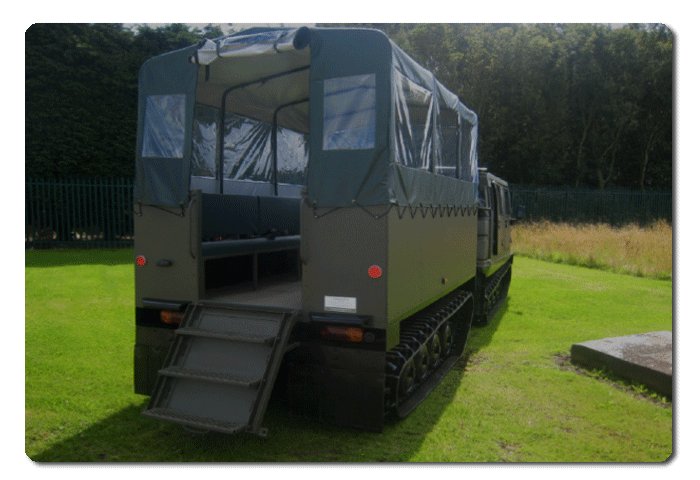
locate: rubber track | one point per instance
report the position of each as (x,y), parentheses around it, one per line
(416,332)
(497,289)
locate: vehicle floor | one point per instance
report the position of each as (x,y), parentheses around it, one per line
(279,291)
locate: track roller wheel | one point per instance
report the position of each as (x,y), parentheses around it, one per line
(407,380)
(434,345)
(447,338)
(422,362)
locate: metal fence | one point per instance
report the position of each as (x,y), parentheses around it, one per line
(614,206)
(78,213)
(97,212)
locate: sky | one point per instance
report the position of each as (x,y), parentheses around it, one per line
(226,28)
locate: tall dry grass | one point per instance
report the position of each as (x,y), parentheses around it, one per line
(631,249)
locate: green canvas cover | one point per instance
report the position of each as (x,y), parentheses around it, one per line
(433,139)
(350,77)
(344,112)
(167,85)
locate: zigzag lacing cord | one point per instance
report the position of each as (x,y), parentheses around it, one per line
(425,210)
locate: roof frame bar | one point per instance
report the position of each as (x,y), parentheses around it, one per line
(274,137)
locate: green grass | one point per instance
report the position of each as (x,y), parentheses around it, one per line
(514,398)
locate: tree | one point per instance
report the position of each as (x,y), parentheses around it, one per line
(79,97)
(81,94)
(655,117)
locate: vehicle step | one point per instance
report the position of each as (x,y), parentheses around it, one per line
(223,335)
(194,421)
(218,377)
(221,368)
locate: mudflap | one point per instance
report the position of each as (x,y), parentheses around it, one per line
(337,385)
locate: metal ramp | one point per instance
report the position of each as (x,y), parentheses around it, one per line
(221,367)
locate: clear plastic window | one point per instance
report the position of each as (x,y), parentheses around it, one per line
(247,149)
(349,112)
(292,156)
(414,124)
(204,142)
(164,126)
(446,163)
(467,170)
(505,201)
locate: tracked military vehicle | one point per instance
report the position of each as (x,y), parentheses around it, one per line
(307,201)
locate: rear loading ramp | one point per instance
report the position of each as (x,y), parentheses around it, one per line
(222,367)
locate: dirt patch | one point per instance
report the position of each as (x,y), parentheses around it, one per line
(472,358)
(508,452)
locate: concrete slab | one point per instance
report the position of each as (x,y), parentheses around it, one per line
(646,358)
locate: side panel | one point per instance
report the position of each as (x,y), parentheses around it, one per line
(428,256)
(329,381)
(170,241)
(337,251)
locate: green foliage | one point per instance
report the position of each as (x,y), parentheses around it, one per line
(81,94)
(510,400)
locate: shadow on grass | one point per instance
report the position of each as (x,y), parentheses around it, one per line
(126,436)
(59,258)
(480,336)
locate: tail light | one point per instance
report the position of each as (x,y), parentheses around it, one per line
(374,271)
(170,317)
(342,334)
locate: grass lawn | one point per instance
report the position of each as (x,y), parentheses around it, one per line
(643,251)
(514,398)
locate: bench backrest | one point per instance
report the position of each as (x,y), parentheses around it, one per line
(242,216)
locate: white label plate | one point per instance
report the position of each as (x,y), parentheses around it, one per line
(340,304)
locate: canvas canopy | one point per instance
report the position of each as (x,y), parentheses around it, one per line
(343,112)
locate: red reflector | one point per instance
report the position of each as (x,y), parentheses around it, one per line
(170,317)
(374,271)
(140,260)
(343,334)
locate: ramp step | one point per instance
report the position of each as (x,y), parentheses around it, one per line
(221,368)
(226,378)
(198,332)
(195,421)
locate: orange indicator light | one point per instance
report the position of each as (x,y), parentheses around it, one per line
(343,334)
(170,317)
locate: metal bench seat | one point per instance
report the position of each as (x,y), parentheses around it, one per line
(230,248)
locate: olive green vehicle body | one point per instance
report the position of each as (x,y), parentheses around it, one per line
(353,289)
